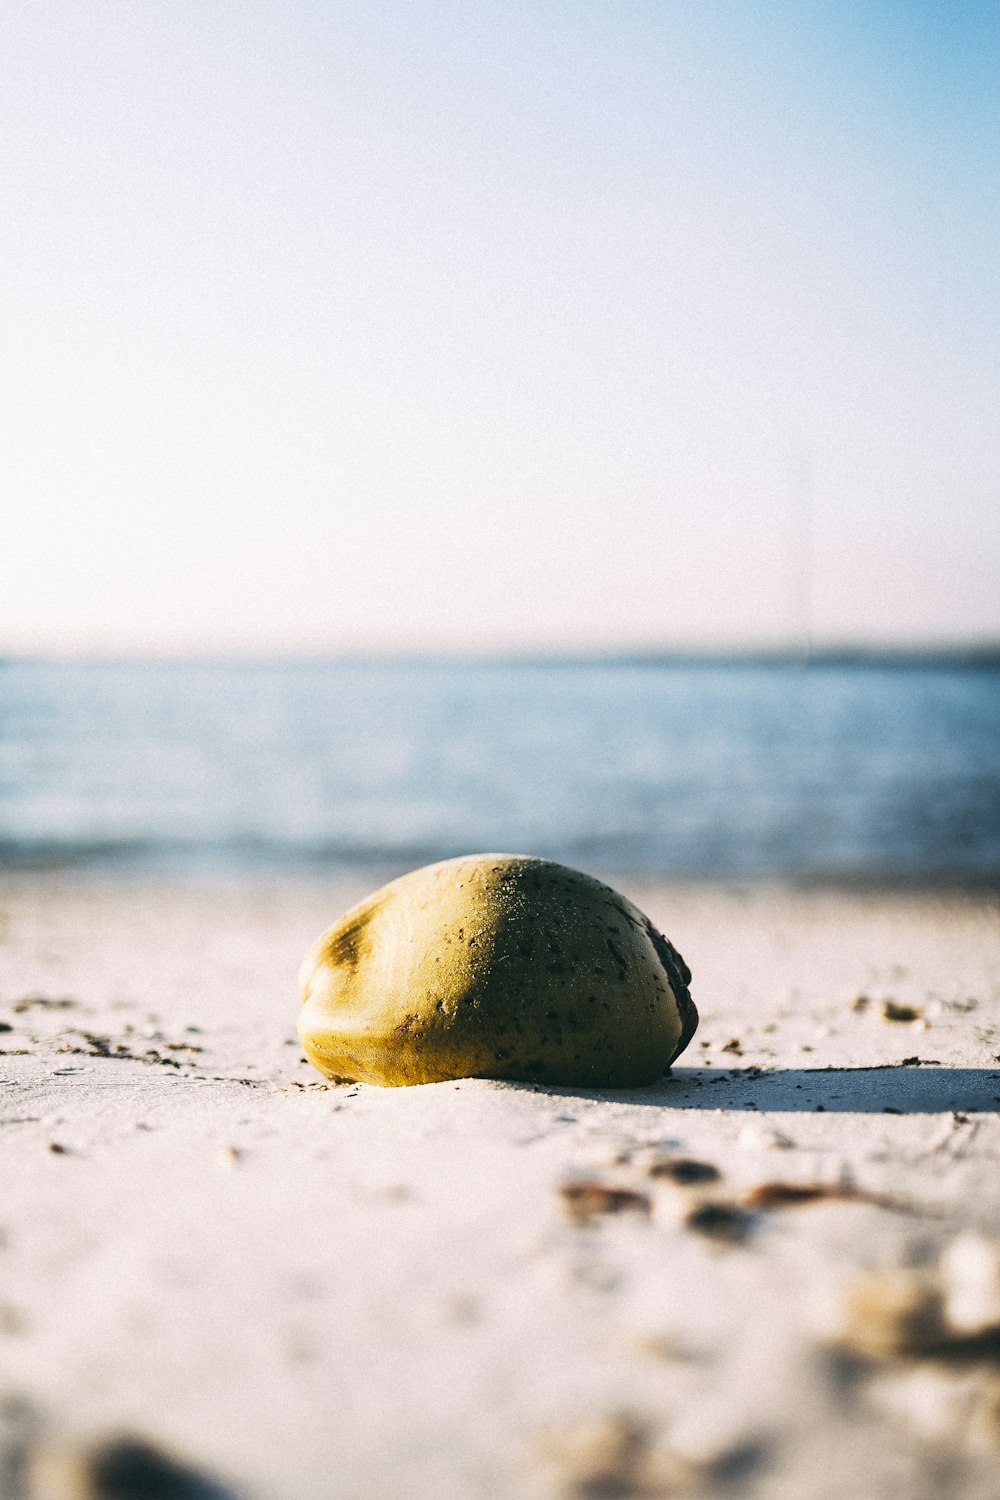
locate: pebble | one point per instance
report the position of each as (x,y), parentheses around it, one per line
(721,1222)
(951,1313)
(586,1200)
(684,1171)
(893,1011)
(120,1468)
(620,1454)
(891,1313)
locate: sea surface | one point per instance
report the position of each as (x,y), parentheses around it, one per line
(737,771)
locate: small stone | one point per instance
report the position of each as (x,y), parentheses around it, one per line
(122,1468)
(618,1455)
(587,1200)
(892,1011)
(892,1313)
(43,1002)
(722,1222)
(601,1457)
(683,1171)
(716,1448)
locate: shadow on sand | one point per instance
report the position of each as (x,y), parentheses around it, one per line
(890,1089)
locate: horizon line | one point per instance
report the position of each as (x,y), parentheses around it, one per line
(975,653)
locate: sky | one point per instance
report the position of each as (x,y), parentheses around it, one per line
(472,326)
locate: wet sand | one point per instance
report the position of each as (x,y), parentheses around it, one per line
(739,1280)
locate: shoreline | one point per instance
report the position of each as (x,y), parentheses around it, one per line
(185,874)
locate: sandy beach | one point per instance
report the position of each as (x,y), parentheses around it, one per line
(768,1275)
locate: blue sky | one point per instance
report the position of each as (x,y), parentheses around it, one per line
(461,326)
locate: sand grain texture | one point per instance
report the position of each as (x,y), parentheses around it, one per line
(487,1291)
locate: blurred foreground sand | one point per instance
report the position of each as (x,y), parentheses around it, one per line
(480,1290)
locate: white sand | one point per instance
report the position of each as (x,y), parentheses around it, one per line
(346,1293)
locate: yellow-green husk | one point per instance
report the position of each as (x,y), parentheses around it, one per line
(495,966)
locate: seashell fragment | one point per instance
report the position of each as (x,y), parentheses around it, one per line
(495,966)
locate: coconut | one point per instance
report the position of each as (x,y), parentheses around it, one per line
(495,966)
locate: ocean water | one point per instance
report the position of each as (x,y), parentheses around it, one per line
(738,771)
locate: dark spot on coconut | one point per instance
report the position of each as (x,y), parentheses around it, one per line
(617,955)
(351,943)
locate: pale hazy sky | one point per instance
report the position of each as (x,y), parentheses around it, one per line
(331,324)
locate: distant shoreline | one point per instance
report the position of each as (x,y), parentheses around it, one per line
(982,657)
(157,869)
